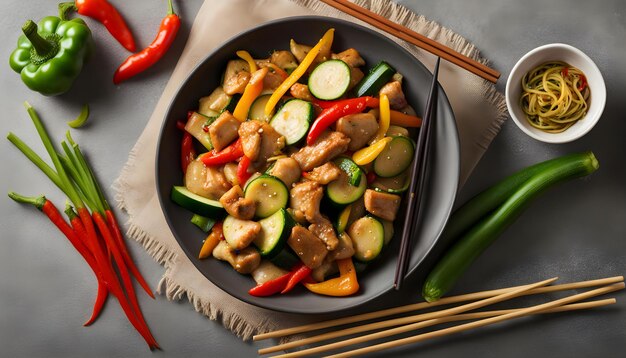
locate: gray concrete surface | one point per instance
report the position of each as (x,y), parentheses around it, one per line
(576,231)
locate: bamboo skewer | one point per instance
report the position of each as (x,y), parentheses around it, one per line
(432,322)
(482,322)
(424,305)
(410,319)
(416,39)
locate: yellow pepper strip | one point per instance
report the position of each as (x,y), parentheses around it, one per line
(342,221)
(344,285)
(244,55)
(211,241)
(384,118)
(298,72)
(368,154)
(250,93)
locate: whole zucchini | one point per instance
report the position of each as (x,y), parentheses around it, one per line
(471,244)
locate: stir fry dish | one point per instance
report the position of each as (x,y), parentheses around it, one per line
(295,166)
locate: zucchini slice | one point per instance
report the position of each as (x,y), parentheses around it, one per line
(349,167)
(374,80)
(197,125)
(285,258)
(342,220)
(293,119)
(395,158)
(195,203)
(275,230)
(341,192)
(393,185)
(368,238)
(330,80)
(257,109)
(269,193)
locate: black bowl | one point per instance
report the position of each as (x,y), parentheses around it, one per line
(260,41)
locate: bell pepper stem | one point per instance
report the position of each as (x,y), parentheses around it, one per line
(42,46)
(65,8)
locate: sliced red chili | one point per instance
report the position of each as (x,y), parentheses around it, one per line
(338,109)
(298,274)
(229,154)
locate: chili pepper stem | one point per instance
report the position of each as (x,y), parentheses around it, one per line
(36,201)
(65,8)
(170,8)
(43,47)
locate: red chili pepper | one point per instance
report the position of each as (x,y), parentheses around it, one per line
(119,238)
(229,154)
(271,287)
(337,110)
(187,150)
(147,57)
(243,174)
(583,83)
(565,72)
(371,176)
(298,274)
(106,14)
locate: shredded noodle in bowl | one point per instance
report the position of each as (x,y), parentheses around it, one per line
(554,96)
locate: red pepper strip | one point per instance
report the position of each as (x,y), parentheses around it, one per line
(583,83)
(106,14)
(229,154)
(271,287)
(298,274)
(180,125)
(243,174)
(371,177)
(117,234)
(373,102)
(339,109)
(147,57)
(187,150)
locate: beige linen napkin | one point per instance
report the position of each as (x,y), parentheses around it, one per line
(479,109)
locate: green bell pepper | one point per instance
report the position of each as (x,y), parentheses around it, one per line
(51,54)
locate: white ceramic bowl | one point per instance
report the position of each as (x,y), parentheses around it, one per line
(574,57)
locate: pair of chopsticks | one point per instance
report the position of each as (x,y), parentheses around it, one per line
(416,189)
(416,39)
(454,314)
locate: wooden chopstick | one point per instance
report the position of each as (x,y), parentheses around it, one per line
(432,322)
(416,39)
(482,322)
(410,319)
(418,171)
(424,305)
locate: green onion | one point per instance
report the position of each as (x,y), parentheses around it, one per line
(484,232)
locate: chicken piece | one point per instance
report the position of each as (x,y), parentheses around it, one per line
(244,261)
(287,170)
(272,80)
(208,182)
(224,130)
(325,173)
(356,75)
(344,249)
(357,211)
(350,57)
(305,198)
(230,173)
(260,141)
(299,51)
(243,232)
(323,229)
(284,59)
(360,128)
(327,146)
(236,205)
(393,90)
(236,77)
(327,268)
(301,91)
(267,271)
(383,205)
(309,248)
